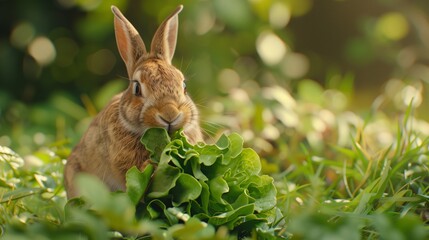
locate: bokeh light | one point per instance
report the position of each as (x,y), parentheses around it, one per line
(22,35)
(295,65)
(101,62)
(279,15)
(392,26)
(409,95)
(406,57)
(42,50)
(204,22)
(228,79)
(270,48)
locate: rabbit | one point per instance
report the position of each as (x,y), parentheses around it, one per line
(156,97)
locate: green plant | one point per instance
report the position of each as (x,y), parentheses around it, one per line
(194,190)
(371,185)
(219,184)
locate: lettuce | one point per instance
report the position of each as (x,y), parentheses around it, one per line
(219,184)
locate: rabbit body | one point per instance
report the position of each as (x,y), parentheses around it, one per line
(156,97)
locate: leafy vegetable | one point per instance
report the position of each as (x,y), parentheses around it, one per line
(137,182)
(219,184)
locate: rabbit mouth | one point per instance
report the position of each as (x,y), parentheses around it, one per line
(171,123)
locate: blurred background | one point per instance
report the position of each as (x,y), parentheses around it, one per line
(269,69)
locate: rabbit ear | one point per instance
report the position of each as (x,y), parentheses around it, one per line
(164,41)
(130,44)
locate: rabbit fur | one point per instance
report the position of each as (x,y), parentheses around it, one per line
(156,97)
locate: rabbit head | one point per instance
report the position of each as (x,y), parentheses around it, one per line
(156,95)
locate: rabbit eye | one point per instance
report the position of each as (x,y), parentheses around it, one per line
(184,87)
(136,89)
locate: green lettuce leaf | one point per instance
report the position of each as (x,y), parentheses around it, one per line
(155,140)
(187,188)
(248,162)
(219,184)
(164,179)
(137,182)
(231,216)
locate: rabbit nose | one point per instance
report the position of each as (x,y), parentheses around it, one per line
(171,116)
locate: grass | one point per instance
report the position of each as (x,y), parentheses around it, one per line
(347,177)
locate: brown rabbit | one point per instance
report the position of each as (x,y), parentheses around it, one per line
(156,97)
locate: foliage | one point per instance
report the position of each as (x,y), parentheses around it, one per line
(219,184)
(50,95)
(359,189)
(347,162)
(31,191)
